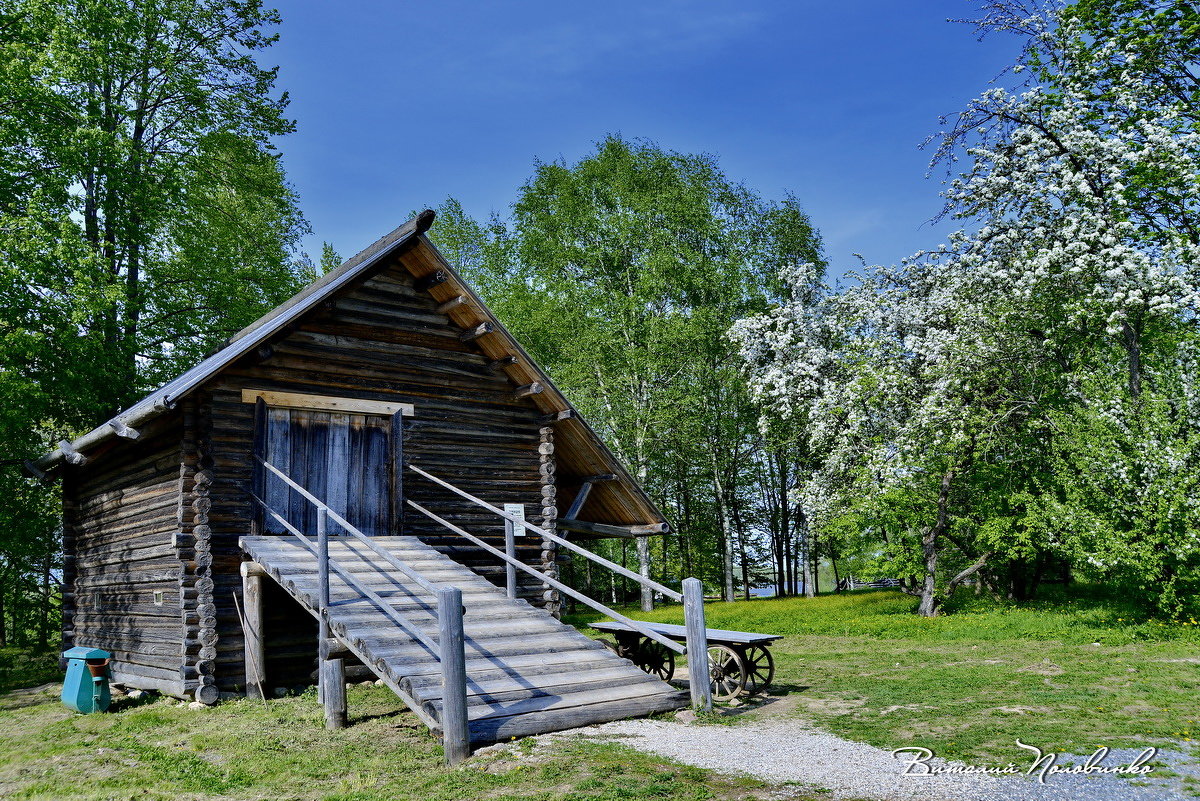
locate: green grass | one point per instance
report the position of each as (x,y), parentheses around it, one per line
(158,750)
(1074,671)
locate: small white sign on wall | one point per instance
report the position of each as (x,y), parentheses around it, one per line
(517,510)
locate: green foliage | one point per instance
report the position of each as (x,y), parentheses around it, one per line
(621,274)
(144,217)
(1023,400)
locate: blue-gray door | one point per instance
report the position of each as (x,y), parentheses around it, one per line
(348,461)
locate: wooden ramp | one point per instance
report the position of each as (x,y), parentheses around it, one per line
(527,673)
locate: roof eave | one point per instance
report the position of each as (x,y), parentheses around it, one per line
(164,398)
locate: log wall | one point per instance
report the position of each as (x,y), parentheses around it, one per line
(383,341)
(121,518)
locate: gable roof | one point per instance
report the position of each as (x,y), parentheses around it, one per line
(579,450)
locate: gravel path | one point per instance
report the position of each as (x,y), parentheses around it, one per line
(779,751)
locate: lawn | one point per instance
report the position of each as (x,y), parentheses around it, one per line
(158,749)
(1071,672)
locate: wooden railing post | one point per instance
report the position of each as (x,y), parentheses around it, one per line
(322,605)
(697,644)
(510,547)
(456,738)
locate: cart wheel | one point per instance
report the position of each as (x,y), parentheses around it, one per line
(728,672)
(656,659)
(760,668)
(628,647)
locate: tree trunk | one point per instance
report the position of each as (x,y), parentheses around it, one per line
(43,638)
(3,619)
(930,540)
(1132,341)
(806,551)
(643,554)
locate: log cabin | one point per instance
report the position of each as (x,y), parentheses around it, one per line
(299,499)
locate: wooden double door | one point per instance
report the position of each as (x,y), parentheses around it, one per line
(352,462)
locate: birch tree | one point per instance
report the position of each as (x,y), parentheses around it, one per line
(622,273)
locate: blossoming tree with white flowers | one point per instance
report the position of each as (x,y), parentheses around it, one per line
(1027,392)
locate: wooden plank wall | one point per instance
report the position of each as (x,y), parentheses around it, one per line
(120,518)
(386,341)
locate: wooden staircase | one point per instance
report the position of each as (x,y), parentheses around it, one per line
(527,673)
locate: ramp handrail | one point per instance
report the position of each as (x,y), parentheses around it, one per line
(448,649)
(692,595)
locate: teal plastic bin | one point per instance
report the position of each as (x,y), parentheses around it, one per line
(85,688)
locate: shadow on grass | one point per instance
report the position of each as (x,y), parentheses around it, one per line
(124,703)
(395,713)
(29,696)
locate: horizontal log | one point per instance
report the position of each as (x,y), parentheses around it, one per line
(529,389)
(477,331)
(427,282)
(497,365)
(606,530)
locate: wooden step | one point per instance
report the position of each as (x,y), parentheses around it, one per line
(502,728)
(473,626)
(521,664)
(510,687)
(476,649)
(481,708)
(478,614)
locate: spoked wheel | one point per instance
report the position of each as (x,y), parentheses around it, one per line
(760,668)
(656,659)
(728,672)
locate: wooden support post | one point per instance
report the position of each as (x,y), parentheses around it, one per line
(333,679)
(254,649)
(323,603)
(699,680)
(456,738)
(580,500)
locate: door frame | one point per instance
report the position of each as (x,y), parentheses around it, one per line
(264,400)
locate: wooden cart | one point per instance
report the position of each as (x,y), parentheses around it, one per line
(739,662)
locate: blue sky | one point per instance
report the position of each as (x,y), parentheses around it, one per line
(402,104)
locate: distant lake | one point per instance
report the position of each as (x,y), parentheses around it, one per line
(765,592)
